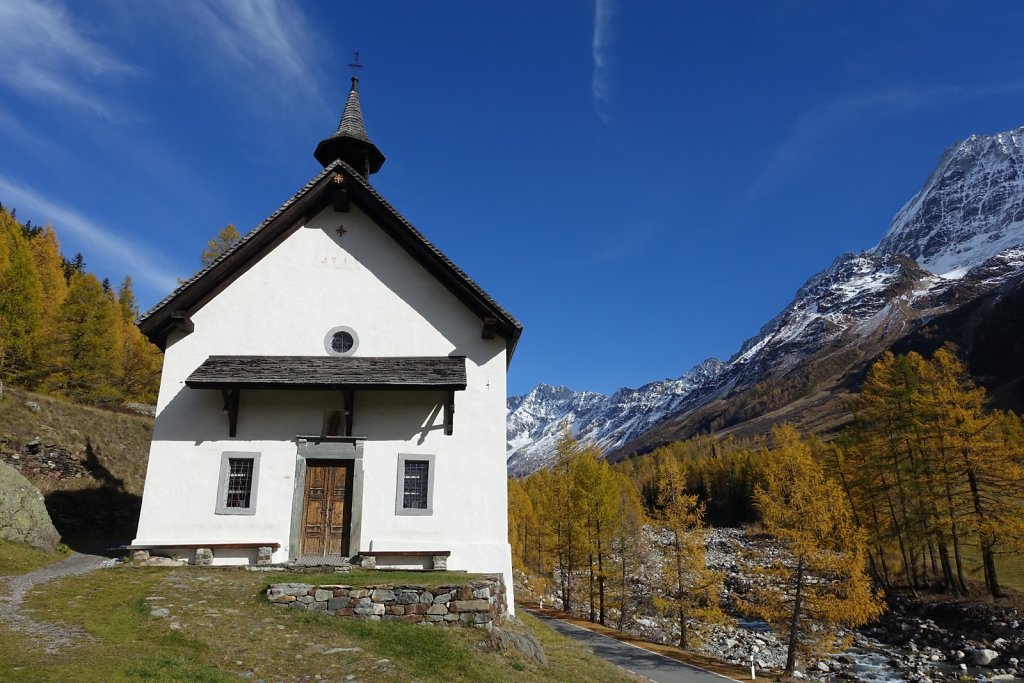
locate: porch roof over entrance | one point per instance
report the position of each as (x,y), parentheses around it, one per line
(330,372)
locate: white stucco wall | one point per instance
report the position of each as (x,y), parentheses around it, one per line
(284,305)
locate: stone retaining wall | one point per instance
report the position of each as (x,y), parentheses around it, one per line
(477,603)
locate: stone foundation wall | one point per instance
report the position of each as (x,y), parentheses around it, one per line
(477,603)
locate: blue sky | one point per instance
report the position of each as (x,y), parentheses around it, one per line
(643,184)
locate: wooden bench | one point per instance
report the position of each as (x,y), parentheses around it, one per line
(439,558)
(204,551)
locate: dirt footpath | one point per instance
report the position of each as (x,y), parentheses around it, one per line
(53,636)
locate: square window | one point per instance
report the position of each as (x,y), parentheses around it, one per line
(239,476)
(415,489)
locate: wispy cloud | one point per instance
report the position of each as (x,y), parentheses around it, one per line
(108,248)
(268,38)
(45,54)
(600,79)
(814,130)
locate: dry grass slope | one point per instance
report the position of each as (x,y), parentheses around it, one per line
(90,463)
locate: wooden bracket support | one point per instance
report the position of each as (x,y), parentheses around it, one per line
(490,328)
(350,400)
(449,414)
(231,397)
(181,321)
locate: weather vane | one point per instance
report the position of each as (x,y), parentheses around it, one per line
(355,65)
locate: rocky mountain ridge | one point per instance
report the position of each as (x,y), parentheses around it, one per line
(959,238)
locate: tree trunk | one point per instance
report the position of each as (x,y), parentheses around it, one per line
(682,626)
(593,613)
(600,581)
(794,622)
(987,543)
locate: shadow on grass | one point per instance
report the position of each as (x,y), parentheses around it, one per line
(95,520)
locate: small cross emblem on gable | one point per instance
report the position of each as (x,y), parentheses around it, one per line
(341,231)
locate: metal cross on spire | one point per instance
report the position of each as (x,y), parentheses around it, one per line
(354,64)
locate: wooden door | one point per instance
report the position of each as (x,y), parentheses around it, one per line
(327,507)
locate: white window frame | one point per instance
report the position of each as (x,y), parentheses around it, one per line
(222,485)
(400,485)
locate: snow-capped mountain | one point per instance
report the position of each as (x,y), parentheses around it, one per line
(537,420)
(969,210)
(960,237)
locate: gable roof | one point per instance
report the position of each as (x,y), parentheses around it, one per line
(174,310)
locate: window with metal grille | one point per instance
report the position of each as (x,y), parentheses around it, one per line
(239,489)
(414,493)
(239,481)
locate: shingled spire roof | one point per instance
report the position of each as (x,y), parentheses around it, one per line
(350,143)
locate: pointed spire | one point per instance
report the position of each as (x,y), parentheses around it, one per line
(350,143)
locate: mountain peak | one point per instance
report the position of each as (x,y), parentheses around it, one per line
(970,208)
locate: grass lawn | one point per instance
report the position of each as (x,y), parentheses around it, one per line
(16,558)
(220,628)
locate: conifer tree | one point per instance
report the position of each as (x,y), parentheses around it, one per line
(85,358)
(826,585)
(627,543)
(690,590)
(75,265)
(597,485)
(20,301)
(224,240)
(521,520)
(49,266)
(126,300)
(141,365)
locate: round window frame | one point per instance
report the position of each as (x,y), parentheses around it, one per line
(329,338)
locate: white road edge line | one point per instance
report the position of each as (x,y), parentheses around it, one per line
(642,649)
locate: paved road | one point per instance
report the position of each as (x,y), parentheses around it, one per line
(636,660)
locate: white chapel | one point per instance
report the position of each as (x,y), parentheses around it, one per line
(333,389)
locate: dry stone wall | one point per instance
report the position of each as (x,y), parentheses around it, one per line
(477,603)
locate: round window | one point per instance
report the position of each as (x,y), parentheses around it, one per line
(341,341)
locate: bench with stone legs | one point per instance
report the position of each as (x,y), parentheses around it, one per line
(439,558)
(204,552)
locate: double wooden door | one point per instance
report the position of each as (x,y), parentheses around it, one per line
(327,508)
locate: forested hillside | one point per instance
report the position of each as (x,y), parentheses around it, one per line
(63,332)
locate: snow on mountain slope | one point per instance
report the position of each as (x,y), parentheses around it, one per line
(960,236)
(970,209)
(537,420)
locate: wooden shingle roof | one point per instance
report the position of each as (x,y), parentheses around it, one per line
(174,311)
(329,372)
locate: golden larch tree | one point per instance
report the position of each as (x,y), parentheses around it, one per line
(825,585)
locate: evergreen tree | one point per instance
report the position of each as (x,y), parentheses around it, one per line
(75,265)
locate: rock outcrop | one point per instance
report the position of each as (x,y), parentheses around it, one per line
(23,515)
